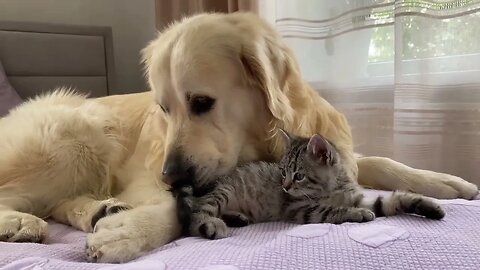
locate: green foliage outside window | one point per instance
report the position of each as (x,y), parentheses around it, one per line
(423,36)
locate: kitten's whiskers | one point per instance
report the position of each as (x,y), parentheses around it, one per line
(306,195)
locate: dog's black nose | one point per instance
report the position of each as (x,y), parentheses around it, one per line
(172,173)
(175,169)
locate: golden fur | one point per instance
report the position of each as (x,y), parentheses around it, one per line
(65,156)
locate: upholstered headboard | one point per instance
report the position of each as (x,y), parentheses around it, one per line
(38,57)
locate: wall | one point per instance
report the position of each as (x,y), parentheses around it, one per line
(132,22)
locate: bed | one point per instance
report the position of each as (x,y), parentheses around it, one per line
(400,242)
(39,57)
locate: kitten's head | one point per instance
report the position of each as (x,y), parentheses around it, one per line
(309,165)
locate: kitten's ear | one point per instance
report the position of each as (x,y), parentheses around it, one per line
(287,138)
(318,146)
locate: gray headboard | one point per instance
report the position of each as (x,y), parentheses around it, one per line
(38,57)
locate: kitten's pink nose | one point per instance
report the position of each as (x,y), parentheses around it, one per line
(286,185)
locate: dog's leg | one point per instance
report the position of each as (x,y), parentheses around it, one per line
(16,226)
(129,234)
(387,174)
(84,212)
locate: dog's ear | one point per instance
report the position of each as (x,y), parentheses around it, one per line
(147,54)
(267,64)
(286,137)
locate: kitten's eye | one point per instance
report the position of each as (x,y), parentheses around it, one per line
(299,177)
(200,104)
(284,173)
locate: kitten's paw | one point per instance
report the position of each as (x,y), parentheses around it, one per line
(427,208)
(21,227)
(360,215)
(213,228)
(107,208)
(234,219)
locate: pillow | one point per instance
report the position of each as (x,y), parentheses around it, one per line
(9,98)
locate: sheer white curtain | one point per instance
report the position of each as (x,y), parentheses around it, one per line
(406,73)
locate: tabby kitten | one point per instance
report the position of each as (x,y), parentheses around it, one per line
(308,185)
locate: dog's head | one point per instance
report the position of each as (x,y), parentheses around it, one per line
(221,82)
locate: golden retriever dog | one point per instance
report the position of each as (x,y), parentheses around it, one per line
(221,85)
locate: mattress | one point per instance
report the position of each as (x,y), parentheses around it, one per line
(400,242)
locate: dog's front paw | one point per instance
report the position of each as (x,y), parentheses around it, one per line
(129,234)
(107,208)
(21,227)
(115,239)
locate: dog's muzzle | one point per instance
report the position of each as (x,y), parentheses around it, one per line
(176,169)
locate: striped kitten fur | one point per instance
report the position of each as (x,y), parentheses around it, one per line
(308,185)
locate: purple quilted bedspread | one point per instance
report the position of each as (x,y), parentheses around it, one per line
(401,242)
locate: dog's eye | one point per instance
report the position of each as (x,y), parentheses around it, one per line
(201,104)
(163,108)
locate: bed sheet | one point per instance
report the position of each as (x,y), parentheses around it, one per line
(400,242)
